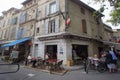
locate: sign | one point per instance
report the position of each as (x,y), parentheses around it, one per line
(68,21)
(61,50)
(14,54)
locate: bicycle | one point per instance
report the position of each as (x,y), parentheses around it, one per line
(95,65)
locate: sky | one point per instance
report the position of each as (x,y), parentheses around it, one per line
(7,4)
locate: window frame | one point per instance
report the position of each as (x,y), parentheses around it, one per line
(52,7)
(51,26)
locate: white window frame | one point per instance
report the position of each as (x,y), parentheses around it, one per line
(53,8)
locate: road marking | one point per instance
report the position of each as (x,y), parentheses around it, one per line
(31,75)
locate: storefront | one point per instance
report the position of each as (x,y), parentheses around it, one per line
(61,47)
(21,45)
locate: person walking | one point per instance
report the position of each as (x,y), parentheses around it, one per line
(114,60)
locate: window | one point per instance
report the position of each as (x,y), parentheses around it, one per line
(37,30)
(82,10)
(52,8)
(84,26)
(14,21)
(51,28)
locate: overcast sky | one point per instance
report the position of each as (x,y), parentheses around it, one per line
(7,4)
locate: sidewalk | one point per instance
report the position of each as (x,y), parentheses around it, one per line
(72,68)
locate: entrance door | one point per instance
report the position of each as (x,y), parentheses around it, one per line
(36,51)
(52,51)
(79,52)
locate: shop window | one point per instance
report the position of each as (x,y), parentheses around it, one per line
(84,27)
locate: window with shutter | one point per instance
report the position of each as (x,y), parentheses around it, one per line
(84,27)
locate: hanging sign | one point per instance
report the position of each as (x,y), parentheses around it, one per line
(68,21)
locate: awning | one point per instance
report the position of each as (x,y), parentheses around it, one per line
(109,43)
(15,42)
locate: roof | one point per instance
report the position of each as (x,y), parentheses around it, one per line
(107,27)
(86,6)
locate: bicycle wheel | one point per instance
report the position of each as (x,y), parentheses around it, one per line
(101,68)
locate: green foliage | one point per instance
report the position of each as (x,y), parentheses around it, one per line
(115,14)
(115,17)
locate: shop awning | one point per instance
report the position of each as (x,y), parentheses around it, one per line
(15,42)
(109,43)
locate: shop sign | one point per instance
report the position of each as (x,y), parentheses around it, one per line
(14,54)
(61,50)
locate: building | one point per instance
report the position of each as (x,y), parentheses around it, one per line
(9,27)
(64,29)
(81,38)
(116,36)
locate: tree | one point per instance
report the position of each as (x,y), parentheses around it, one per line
(115,13)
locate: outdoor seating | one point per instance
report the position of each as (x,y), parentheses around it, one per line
(58,66)
(40,63)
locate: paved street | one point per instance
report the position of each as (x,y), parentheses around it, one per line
(27,74)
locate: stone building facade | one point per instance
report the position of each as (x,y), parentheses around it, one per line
(65,29)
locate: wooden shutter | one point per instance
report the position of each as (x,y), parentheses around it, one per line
(84,26)
(57,24)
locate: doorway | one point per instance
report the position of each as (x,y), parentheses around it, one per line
(52,51)
(36,51)
(79,53)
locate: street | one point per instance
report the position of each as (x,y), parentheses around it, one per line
(33,74)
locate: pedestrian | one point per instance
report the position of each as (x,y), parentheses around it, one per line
(114,59)
(29,58)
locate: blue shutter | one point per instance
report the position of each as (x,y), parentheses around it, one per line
(57,5)
(57,24)
(24,32)
(46,27)
(24,17)
(19,33)
(21,17)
